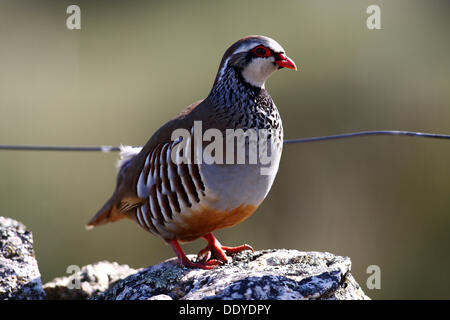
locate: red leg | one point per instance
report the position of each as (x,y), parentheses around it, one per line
(215,249)
(184,261)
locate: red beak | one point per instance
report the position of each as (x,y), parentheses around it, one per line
(284,61)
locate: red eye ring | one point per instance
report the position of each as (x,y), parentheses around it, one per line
(262,51)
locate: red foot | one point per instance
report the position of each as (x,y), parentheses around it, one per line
(185,262)
(216,250)
(213,249)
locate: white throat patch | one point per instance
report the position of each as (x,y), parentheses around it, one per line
(258,70)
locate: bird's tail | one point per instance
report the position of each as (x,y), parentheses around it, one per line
(108,213)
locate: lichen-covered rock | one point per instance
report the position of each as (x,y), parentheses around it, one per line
(161,279)
(268,274)
(19,273)
(160,297)
(86,282)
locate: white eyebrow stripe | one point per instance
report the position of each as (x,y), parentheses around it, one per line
(270,43)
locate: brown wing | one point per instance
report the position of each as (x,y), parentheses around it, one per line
(125,198)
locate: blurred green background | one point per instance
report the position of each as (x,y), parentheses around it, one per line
(135,64)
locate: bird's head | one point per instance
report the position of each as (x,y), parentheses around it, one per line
(256,58)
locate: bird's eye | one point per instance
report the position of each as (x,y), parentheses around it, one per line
(261,51)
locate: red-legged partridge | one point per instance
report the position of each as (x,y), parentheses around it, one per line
(181,201)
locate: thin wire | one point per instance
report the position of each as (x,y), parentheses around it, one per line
(291,141)
(58,148)
(369,133)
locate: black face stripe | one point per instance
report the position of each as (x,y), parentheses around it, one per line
(236,45)
(254,55)
(277,55)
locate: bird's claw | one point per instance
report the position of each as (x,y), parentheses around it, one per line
(220,253)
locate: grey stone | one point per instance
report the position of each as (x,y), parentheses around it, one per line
(160,297)
(268,274)
(19,273)
(87,282)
